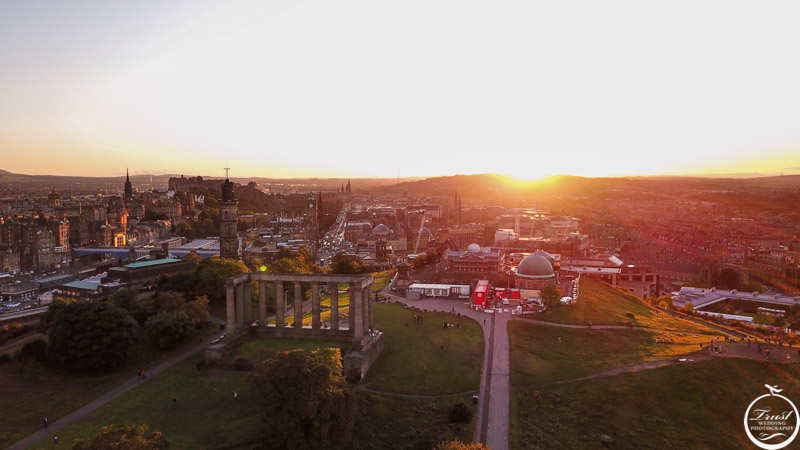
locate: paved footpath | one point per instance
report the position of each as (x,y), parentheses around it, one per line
(108,396)
(499,393)
(493,401)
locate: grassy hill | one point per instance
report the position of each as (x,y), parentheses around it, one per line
(206,416)
(601,304)
(538,357)
(695,406)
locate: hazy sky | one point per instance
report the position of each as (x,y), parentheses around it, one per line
(367,88)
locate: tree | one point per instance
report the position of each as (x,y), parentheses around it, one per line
(169,301)
(212,275)
(550,296)
(55,306)
(124,298)
(345,265)
(89,336)
(197,310)
(169,329)
(123,437)
(185,283)
(458,445)
(304,399)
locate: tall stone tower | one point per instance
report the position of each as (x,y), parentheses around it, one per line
(228,236)
(128,186)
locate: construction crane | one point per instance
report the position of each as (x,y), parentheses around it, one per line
(419,234)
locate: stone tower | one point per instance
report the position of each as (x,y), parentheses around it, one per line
(128,186)
(228,236)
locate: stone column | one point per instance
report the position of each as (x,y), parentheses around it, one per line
(230,308)
(239,307)
(280,308)
(247,298)
(315,306)
(298,305)
(371,301)
(366,293)
(334,305)
(356,313)
(262,303)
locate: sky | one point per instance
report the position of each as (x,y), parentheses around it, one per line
(304,88)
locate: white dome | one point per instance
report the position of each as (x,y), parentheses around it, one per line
(474,248)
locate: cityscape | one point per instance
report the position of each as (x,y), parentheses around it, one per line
(484,237)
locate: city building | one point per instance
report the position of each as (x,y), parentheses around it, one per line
(475,260)
(145,273)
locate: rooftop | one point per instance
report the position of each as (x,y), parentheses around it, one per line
(157,262)
(83,285)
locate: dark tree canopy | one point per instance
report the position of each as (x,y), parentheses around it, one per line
(550,296)
(123,437)
(55,306)
(212,275)
(304,399)
(169,329)
(180,282)
(87,336)
(125,298)
(345,265)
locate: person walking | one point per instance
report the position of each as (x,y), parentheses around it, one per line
(235,396)
(45,422)
(55,440)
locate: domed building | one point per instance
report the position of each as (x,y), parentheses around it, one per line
(381,230)
(535,272)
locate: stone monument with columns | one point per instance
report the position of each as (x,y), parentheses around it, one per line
(366,343)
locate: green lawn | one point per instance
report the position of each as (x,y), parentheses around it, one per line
(208,418)
(394,423)
(426,358)
(601,304)
(29,392)
(206,415)
(538,357)
(694,406)
(260,349)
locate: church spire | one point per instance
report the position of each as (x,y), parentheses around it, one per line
(128,185)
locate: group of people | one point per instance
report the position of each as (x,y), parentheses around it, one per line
(419,319)
(446,324)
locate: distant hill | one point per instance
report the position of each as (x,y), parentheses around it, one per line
(777,193)
(160,181)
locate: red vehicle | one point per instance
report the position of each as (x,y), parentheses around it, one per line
(481,293)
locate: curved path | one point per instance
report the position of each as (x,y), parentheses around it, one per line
(108,396)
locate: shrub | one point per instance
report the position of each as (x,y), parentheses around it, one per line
(459,413)
(243,365)
(168,330)
(36,350)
